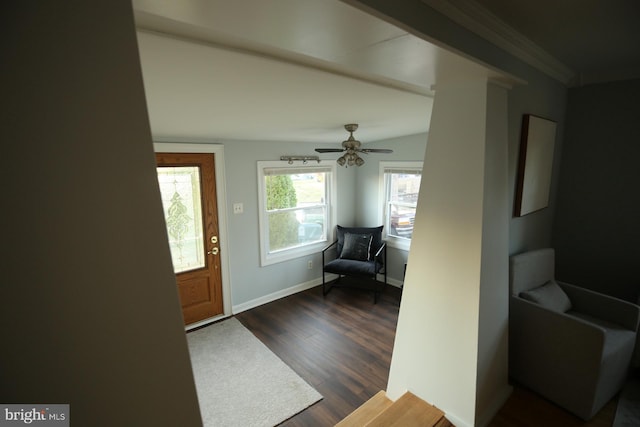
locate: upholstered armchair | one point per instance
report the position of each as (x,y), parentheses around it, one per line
(359,252)
(569,344)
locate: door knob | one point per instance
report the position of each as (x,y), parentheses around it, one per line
(213,251)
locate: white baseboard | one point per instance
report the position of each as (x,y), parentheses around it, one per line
(294,290)
(394,282)
(275,296)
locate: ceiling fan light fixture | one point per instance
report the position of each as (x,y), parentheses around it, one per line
(351,147)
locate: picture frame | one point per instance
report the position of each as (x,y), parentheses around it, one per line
(535,165)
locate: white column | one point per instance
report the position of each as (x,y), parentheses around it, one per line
(450,346)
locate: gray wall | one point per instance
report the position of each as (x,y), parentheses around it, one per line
(545,98)
(597,232)
(357,204)
(89,312)
(249,280)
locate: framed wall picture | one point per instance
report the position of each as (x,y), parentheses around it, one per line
(535,164)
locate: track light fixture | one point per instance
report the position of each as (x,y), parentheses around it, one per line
(303,159)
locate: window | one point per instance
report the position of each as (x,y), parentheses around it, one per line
(400,188)
(296,211)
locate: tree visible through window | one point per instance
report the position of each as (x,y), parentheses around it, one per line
(295,210)
(283,224)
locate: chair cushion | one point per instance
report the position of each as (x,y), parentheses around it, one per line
(352,268)
(357,247)
(550,295)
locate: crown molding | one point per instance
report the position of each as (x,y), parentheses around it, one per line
(475,18)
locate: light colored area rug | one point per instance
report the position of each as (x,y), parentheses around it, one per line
(240,382)
(628,411)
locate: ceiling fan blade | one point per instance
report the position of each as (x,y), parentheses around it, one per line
(329,150)
(376,150)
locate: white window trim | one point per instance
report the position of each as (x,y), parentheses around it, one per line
(393,241)
(267,258)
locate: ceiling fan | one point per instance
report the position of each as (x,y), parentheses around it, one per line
(351,147)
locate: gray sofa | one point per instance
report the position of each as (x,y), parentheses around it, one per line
(569,344)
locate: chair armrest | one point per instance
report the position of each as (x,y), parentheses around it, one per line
(603,306)
(383,245)
(329,247)
(552,352)
(324,251)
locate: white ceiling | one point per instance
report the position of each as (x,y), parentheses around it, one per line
(298,70)
(285,70)
(199,91)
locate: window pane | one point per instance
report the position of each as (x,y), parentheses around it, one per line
(290,227)
(283,230)
(180,192)
(294,228)
(402,198)
(401,220)
(312,225)
(310,188)
(404,187)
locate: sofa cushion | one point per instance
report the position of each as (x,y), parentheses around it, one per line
(357,247)
(550,295)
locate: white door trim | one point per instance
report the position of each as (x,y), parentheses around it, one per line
(221,192)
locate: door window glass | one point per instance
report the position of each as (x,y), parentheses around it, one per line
(181,201)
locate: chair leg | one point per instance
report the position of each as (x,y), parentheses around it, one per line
(326,287)
(376,289)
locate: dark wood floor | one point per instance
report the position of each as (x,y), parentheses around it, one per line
(526,409)
(341,344)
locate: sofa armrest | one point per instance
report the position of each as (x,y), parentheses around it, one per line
(603,306)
